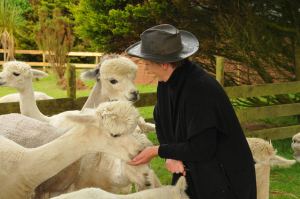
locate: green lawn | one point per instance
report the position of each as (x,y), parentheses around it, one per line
(285,182)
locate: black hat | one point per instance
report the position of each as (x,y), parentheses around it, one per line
(164,43)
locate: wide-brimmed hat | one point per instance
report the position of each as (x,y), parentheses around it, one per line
(164,43)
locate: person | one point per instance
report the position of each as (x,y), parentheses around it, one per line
(197,128)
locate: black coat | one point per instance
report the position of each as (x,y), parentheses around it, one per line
(201,104)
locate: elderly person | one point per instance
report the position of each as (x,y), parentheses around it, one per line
(197,128)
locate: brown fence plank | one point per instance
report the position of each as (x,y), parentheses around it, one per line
(151,120)
(47,107)
(146,99)
(38,52)
(42,64)
(79,102)
(10,107)
(32,52)
(275,133)
(86,54)
(48,64)
(268,112)
(262,90)
(55,106)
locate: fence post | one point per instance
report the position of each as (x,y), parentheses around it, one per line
(71,80)
(238,73)
(44,63)
(220,70)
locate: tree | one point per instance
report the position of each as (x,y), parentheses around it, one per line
(261,36)
(53,37)
(11,24)
(112,25)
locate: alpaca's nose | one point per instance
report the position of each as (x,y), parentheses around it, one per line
(135,92)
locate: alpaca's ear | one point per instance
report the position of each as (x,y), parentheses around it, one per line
(85,119)
(92,74)
(181,184)
(38,73)
(154,180)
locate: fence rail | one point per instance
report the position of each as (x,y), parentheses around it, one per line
(71,54)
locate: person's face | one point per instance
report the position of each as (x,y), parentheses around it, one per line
(155,68)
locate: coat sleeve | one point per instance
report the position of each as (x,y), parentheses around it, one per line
(199,148)
(158,127)
(204,108)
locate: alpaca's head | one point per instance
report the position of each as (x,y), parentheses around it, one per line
(296,146)
(264,153)
(118,117)
(115,73)
(179,189)
(16,74)
(115,121)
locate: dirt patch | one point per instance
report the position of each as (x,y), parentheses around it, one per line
(79,84)
(254,126)
(282,193)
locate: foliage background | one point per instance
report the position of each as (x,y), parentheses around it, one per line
(260,38)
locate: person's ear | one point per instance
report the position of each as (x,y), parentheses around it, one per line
(166,66)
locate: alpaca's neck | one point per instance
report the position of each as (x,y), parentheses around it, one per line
(95,97)
(46,161)
(28,105)
(262,173)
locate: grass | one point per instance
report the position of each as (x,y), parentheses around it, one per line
(283,181)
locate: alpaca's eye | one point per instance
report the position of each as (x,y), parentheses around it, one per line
(115,136)
(113,81)
(16,74)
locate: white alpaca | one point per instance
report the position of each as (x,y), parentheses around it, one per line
(112,174)
(296,146)
(265,156)
(114,76)
(112,67)
(19,75)
(15,97)
(111,116)
(23,169)
(116,82)
(165,192)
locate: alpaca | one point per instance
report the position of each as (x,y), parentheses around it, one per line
(166,192)
(115,73)
(19,75)
(15,97)
(109,74)
(114,76)
(112,174)
(119,117)
(265,156)
(119,175)
(108,131)
(296,146)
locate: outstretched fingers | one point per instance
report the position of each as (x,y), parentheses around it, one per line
(145,156)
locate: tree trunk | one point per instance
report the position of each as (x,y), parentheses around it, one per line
(297,60)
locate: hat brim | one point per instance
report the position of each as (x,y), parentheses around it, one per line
(190,46)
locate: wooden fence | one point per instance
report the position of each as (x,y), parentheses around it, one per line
(44,64)
(55,106)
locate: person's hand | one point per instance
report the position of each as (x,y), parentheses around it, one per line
(175,166)
(145,156)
